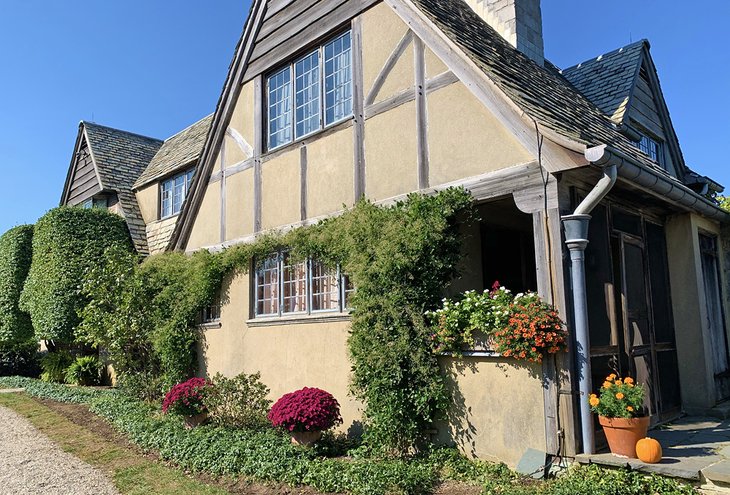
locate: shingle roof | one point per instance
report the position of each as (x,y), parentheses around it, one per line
(177,151)
(542,93)
(120,158)
(608,80)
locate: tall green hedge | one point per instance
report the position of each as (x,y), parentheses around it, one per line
(67,242)
(15,256)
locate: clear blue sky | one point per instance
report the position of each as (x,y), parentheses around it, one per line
(154,67)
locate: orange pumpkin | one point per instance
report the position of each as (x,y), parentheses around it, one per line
(649,450)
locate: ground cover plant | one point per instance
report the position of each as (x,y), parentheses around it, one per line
(268,455)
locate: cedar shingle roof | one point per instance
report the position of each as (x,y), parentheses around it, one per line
(608,80)
(177,152)
(542,93)
(120,158)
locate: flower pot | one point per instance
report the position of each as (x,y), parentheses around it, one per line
(195,420)
(305,438)
(623,433)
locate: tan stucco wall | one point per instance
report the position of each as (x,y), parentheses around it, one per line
(330,173)
(497,411)
(465,139)
(391,163)
(382,29)
(281,190)
(206,229)
(243,114)
(234,153)
(239,204)
(289,357)
(148,199)
(696,373)
(434,65)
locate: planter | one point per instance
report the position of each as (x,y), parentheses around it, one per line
(195,420)
(305,438)
(622,434)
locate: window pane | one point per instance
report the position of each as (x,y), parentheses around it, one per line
(267,286)
(306,72)
(280,112)
(338,79)
(294,287)
(178,194)
(167,198)
(349,290)
(325,290)
(212,312)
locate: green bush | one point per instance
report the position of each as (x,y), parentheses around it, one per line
(239,401)
(85,370)
(67,241)
(54,366)
(20,358)
(16,250)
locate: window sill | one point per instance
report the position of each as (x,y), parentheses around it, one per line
(298,319)
(210,325)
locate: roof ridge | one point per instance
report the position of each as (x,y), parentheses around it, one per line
(86,123)
(615,51)
(188,127)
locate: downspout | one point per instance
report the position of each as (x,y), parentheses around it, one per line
(576,238)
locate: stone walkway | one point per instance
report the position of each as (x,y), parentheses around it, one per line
(30,463)
(694,448)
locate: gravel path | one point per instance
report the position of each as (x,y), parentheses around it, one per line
(30,463)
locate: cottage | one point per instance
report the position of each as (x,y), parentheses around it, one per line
(574,171)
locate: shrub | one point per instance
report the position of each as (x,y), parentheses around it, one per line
(239,402)
(143,385)
(186,398)
(15,256)
(85,370)
(20,358)
(54,365)
(66,242)
(620,398)
(308,409)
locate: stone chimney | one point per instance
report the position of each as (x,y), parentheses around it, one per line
(518,21)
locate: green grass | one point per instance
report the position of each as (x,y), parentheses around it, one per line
(131,472)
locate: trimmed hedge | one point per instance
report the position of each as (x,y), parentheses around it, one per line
(16,250)
(67,242)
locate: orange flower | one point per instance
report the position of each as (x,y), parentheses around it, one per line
(618,382)
(629,409)
(606,384)
(594,401)
(628,380)
(619,396)
(611,377)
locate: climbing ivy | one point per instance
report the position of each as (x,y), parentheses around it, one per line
(15,256)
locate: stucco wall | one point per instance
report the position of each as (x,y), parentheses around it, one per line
(330,173)
(206,230)
(242,119)
(281,190)
(148,199)
(239,198)
(497,410)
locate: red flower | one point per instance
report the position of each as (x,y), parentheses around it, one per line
(308,409)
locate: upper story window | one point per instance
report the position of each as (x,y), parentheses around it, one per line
(101,202)
(311,93)
(283,287)
(651,148)
(173,192)
(212,312)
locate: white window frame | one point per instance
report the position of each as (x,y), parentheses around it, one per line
(291,94)
(187,176)
(343,290)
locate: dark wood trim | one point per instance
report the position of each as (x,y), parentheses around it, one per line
(419,55)
(388,67)
(358,94)
(303,183)
(257,150)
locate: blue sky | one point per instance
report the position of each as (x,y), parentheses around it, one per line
(154,67)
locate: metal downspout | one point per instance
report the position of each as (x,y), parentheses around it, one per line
(576,238)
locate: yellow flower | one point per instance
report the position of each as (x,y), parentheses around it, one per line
(629,409)
(606,384)
(619,396)
(594,401)
(628,380)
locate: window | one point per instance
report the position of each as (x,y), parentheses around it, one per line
(96,203)
(283,287)
(313,92)
(212,312)
(173,192)
(650,147)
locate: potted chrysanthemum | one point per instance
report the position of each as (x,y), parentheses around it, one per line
(305,414)
(620,408)
(186,399)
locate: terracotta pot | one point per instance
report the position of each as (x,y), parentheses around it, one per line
(623,433)
(195,420)
(305,438)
